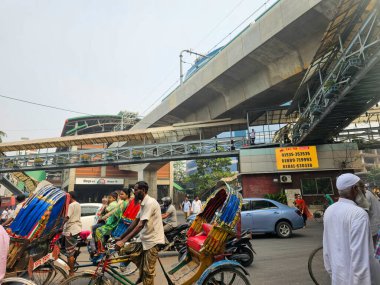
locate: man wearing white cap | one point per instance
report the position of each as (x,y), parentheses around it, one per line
(347,243)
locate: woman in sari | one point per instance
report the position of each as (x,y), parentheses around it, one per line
(113,220)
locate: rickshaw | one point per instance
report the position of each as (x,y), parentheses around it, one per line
(204,262)
(32,252)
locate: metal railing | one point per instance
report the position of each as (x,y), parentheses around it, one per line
(201,149)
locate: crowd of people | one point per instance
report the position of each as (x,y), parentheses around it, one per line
(351,237)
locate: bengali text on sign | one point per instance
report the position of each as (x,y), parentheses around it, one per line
(297,157)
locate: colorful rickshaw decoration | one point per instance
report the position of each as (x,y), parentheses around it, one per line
(39,220)
(208,234)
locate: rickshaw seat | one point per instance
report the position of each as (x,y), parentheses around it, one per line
(196,242)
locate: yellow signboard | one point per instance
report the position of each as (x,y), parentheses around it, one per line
(296,157)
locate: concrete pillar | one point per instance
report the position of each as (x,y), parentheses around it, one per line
(150,177)
(171,180)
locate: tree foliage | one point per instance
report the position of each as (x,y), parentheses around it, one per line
(373,176)
(2,134)
(179,171)
(209,171)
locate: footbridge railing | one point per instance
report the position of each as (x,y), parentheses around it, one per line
(201,149)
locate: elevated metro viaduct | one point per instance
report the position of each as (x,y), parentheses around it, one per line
(260,69)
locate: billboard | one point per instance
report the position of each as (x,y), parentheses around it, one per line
(296,158)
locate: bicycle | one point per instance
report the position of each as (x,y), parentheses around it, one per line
(17,281)
(316,267)
(227,275)
(127,270)
(200,266)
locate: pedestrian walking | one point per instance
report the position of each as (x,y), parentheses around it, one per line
(186,207)
(196,206)
(347,244)
(301,205)
(148,224)
(71,230)
(252,136)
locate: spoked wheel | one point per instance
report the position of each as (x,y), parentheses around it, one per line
(316,268)
(17,281)
(87,279)
(227,276)
(128,269)
(318,216)
(48,274)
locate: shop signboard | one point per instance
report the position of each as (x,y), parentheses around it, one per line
(97,180)
(296,158)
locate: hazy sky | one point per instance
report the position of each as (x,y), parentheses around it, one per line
(100,57)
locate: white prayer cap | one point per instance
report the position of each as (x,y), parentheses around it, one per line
(346,181)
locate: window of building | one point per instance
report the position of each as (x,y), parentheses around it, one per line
(317,186)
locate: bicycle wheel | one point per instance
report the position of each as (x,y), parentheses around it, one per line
(87,279)
(227,276)
(318,216)
(316,268)
(17,281)
(48,274)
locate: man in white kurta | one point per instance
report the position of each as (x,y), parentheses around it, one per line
(374,214)
(347,244)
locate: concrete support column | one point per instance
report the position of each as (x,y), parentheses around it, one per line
(149,176)
(171,180)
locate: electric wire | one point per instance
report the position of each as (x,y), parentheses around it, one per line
(246,19)
(232,10)
(174,67)
(44,105)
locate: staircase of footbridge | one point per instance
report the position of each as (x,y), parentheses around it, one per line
(342,81)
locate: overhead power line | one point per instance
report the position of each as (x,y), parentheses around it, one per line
(43,105)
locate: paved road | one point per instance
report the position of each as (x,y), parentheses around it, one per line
(278,261)
(284,261)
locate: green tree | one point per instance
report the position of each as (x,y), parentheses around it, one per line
(209,171)
(179,171)
(2,134)
(373,176)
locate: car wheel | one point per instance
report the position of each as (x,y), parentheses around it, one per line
(284,230)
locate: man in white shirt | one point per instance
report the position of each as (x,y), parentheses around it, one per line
(148,224)
(373,213)
(196,206)
(71,230)
(347,244)
(186,207)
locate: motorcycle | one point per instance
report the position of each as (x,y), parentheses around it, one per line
(237,249)
(176,238)
(240,249)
